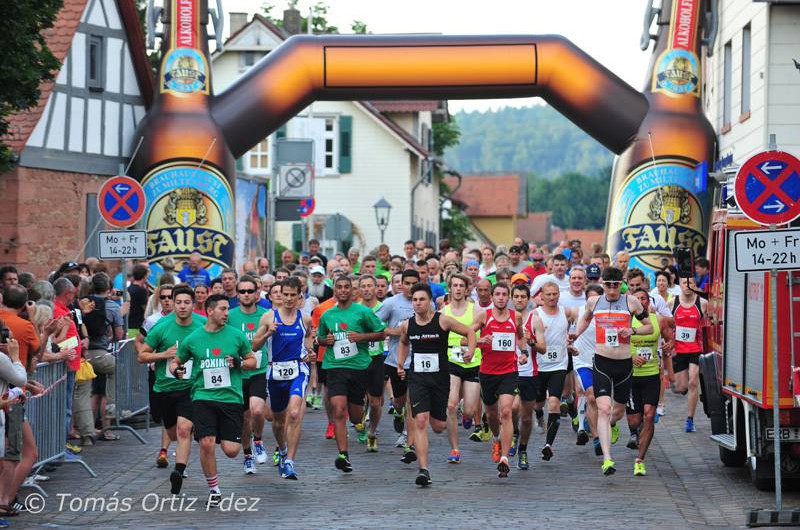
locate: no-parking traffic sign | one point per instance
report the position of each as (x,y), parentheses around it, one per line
(121,201)
(767,188)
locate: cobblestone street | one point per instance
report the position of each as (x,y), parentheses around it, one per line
(686,486)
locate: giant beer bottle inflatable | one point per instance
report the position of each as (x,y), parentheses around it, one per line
(184,164)
(189,137)
(659,198)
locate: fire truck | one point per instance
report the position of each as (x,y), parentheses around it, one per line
(736,374)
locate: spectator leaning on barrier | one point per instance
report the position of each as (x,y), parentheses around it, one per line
(12,372)
(64,298)
(103,324)
(21,452)
(17,313)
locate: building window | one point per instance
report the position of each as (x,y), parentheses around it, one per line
(258,158)
(95,64)
(331,144)
(727,76)
(746,50)
(247,59)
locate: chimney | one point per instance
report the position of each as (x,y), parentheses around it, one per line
(238,21)
(291,21)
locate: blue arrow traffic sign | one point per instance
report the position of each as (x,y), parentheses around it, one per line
(121,201)
(767,188)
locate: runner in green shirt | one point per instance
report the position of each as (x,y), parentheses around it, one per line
(375,381)
(245,318)
(347,329)
(218,353)
(173,395)
(646,382)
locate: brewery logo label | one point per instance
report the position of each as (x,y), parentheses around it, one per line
(184,71)
(189,209)
(677,73)
(657,209)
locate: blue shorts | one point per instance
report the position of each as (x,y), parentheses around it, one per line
(585,375)
(280,391)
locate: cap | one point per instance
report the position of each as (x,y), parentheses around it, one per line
(538,255)
(514,248)
(593,272)
(520,278)
(68,266)
(304,254)
(316,270)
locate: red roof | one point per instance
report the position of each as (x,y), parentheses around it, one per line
(489,195)
(557,235)
(586,237)
(536,227)
(59,40)
(406,106)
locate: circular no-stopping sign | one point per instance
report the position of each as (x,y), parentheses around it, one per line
(121,201)
(767,188)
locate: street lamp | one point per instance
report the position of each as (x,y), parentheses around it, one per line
(382,211)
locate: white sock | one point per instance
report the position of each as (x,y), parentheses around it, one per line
(581,412)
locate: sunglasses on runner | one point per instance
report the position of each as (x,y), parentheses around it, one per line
(165,297)
(613,285)
(246,291)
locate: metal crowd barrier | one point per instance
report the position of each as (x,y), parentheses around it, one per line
(46,414)
(133,392)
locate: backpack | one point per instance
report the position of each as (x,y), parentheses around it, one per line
(97,322)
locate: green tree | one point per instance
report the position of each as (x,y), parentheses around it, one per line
(529,139)
(454,224)
(445,134)
(153,56)
(319,18)
(456,228)
(577,200)
(266,10)
(27,61)
(359,27)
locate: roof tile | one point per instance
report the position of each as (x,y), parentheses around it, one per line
(536,227)
(406,106)
(489,195)
(586,237)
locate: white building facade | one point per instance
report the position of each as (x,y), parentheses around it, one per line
(363,151)
(753,78)
(89,120)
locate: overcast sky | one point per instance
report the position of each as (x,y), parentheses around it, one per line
(608,30)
